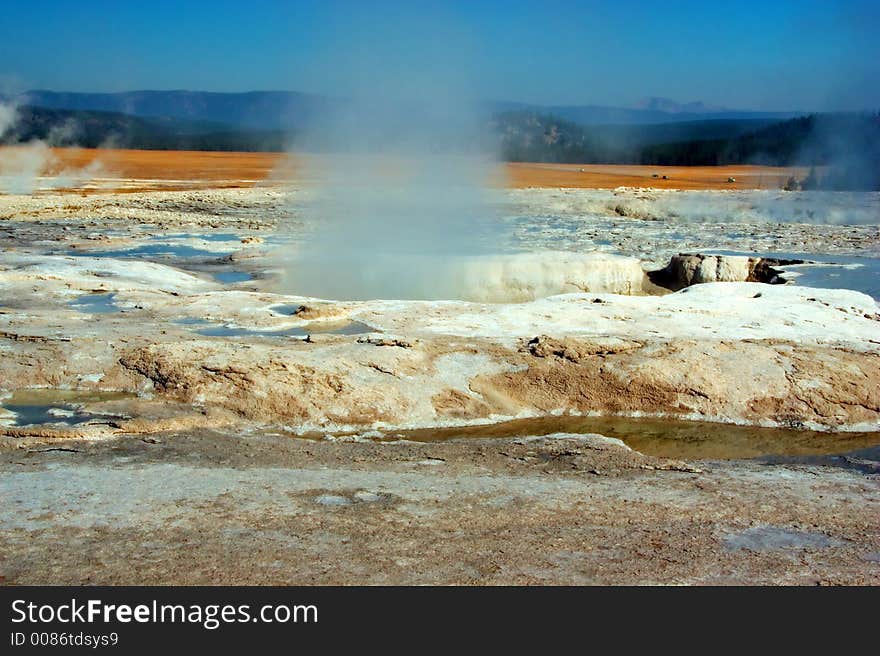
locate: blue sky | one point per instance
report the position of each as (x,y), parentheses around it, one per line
(770,54)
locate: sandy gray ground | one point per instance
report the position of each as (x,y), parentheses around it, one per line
(261,509)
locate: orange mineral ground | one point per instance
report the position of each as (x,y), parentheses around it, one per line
(135,170)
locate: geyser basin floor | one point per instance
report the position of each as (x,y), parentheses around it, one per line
(654,225)
(206,481)
(737,352)
(557,510)
(156,170)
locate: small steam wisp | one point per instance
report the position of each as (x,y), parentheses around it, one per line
(23,166)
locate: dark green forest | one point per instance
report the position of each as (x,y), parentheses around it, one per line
(94,129)
(846,146)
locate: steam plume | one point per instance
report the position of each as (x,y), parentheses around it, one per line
(23,166)
(404,193)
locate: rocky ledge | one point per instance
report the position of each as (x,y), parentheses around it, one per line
(733,352)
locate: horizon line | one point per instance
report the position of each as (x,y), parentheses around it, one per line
(591,104)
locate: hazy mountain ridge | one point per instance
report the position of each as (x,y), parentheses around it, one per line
(270,110)
(514,130)
(601,115)
(656,103)
(530,136)
(292,109)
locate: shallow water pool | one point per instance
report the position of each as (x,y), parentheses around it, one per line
(232,277)
(208,329)
(669,438)
(861,274)
(149,250)
(54,406)
(101,303)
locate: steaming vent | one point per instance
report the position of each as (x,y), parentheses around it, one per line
(512,278)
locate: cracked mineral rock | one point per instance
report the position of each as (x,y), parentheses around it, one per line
(685,269)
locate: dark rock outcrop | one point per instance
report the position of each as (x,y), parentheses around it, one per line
(687,269)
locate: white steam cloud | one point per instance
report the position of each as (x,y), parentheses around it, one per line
(25,167)
(8,118)
(403,167)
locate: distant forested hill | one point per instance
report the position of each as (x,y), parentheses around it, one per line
(277,110)
(810,140)
(847,144)
(529,136)
(92,129)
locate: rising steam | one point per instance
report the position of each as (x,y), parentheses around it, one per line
(403,195)
(24,166)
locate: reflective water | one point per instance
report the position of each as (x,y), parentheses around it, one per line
(209,236)
(53,406)
(232,277)
(148,250)
(861,274)
(866,461)
(102,303)
(669,438)
(208,329)
(287,309)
